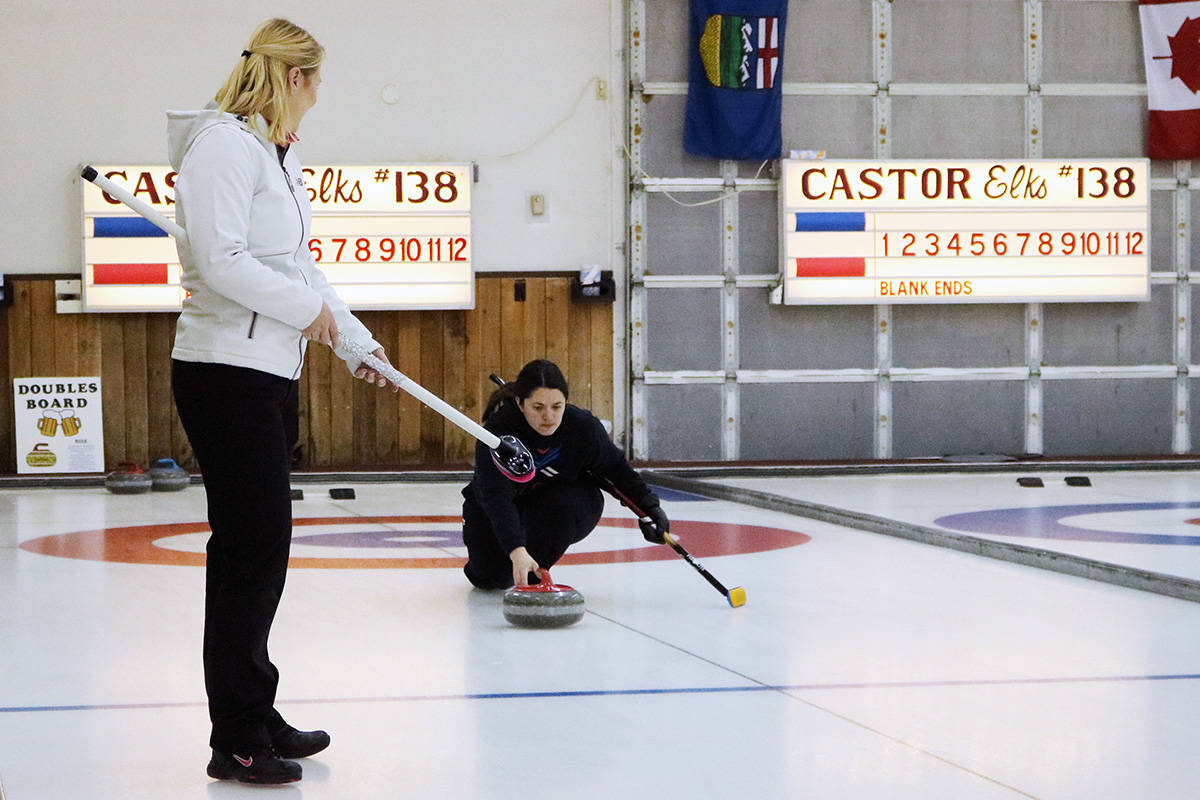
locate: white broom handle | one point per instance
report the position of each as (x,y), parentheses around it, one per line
(356,350)
(149,212)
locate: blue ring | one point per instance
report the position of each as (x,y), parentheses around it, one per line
(1044,522)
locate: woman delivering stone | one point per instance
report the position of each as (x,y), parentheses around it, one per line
(512,529)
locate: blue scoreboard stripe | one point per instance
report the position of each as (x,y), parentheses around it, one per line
(831,221)
(126,227)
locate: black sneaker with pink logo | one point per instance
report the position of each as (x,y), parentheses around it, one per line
(260,766)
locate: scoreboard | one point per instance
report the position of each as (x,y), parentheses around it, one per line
(857,232)
(388,236)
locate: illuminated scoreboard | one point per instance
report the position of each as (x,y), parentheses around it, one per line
(386,236)
(964,231)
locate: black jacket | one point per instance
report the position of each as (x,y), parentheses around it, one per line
(578,450)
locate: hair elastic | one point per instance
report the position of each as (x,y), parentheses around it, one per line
(245,54)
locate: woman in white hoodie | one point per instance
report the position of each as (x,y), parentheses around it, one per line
(256,298)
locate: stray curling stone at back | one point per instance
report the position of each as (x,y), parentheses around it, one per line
(167,476)
(127,478)
(543,605)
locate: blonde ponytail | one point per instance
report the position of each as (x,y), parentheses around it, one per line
(257,86)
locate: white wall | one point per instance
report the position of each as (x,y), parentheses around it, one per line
(479,80)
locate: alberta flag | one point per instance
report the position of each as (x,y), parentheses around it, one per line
(734,79)
(1171,48)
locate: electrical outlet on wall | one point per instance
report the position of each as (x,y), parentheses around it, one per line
(537,209)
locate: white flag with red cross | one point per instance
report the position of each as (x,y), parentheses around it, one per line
(1171,48)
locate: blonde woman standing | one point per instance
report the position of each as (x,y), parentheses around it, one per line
(256,298)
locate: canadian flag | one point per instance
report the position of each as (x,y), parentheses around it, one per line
(1171,48)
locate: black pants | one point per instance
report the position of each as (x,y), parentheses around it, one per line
(553,518)
(242,425)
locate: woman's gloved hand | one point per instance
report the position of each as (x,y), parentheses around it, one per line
(654,527)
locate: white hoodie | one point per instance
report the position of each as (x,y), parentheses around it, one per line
(254,285)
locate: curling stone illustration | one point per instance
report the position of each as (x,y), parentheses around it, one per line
(543,605)
(127,478)
(167,476)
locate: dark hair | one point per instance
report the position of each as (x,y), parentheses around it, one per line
(537,374)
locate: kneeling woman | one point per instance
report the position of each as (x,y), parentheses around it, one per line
(512,529)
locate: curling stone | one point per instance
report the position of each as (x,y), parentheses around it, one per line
(167,476)
(127,478)
(543,605)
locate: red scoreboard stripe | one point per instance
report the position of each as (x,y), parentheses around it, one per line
(831,267)
(129,273)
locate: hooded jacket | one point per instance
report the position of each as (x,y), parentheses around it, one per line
(253,285)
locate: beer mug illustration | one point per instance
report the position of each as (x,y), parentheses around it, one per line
(70,424)
(48,424)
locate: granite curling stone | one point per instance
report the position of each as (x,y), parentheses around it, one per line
(127,478)
(167,476)
(543,605)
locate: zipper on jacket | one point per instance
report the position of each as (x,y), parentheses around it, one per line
(300,342)
(288,178)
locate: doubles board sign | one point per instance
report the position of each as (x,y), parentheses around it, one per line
(59,425)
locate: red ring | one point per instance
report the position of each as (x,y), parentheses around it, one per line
(135,544)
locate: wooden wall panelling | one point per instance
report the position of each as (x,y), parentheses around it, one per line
(65,336)
(362,409)
(160,406)
(407,357)
(374,408)
(512,323)
(341,409)
(90,360)
(432,343)
(387,404)
(557,310)
(579,359)
(90,357)
(476,386)
(20,329)
(533,333)
(19,318)
(473,378)
(318,449)
(457,443)
(8,454)
(345,423)
(487,325)
(41,335)
(137,445)
(112,379)
(600,348)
